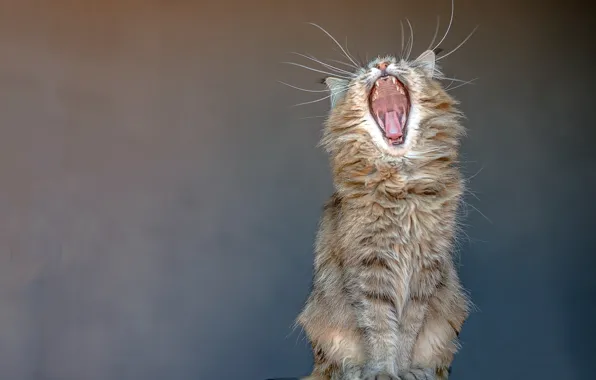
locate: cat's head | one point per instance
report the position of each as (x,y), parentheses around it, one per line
(392,109)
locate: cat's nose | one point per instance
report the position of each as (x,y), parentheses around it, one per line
(383,67)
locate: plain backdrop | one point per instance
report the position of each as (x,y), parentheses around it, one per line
(160,195)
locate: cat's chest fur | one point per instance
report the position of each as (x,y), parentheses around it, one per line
(412,233)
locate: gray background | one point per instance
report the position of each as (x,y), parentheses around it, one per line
(160,196)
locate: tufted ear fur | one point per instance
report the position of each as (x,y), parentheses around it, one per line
(337,88)
(427,62)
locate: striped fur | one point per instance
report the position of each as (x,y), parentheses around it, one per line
(386,301)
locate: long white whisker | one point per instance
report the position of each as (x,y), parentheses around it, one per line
(401,25)
(343,63)
(322,63)
(343,55)
(472,194)
(301,89)
(473,176)
(318,71)
(448,27)
(334,40)
(478,211)
(353,58)
(465,82)
(312,117)
(436,33)
(314,101)
(348,51)
(452,79)
(458,46)
(462,84)
(411,39)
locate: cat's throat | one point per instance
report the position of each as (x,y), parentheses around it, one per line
(390,105)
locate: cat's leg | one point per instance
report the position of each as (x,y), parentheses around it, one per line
(347,372)
(338,353)
(410,325)
(387,322)
(377,320)
(437,342)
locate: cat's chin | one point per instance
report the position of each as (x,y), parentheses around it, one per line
(394,150)
(385,145)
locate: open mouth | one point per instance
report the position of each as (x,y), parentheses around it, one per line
(390,105)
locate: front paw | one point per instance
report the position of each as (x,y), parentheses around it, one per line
(417,374)
(381,376)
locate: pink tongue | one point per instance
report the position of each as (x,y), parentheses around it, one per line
(393,129)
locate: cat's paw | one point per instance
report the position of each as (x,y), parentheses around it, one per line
(381,376)
(417,374)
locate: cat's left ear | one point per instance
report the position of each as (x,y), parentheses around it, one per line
(337,87)
(427,62)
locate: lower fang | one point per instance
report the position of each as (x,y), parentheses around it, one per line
(396,141)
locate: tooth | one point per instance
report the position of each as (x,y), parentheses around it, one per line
(377,83)
(393,80)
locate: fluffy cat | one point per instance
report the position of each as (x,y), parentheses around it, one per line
(386,301)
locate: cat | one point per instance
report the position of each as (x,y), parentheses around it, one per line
(386,301)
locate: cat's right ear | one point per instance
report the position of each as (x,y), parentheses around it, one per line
(337,88)
(427,61)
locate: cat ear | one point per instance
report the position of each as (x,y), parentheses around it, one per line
(427,62)
(337,88)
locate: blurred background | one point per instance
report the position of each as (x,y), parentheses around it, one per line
(160,194)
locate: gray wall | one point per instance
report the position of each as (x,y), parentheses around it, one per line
(160,196)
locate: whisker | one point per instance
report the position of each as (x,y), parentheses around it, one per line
(313,101)
(472,177)
(355,57)
(468,82)
(449,86)
(436,33)
(401,25)
(318,71)
(301,89)
(452,79)
(334,40)
(343,63)
(449,26)
(463,84)
(478,211)
(312,117)
(322,63)
(349,53)
(360,60)
(472,194)
(460,45)
(411,39)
